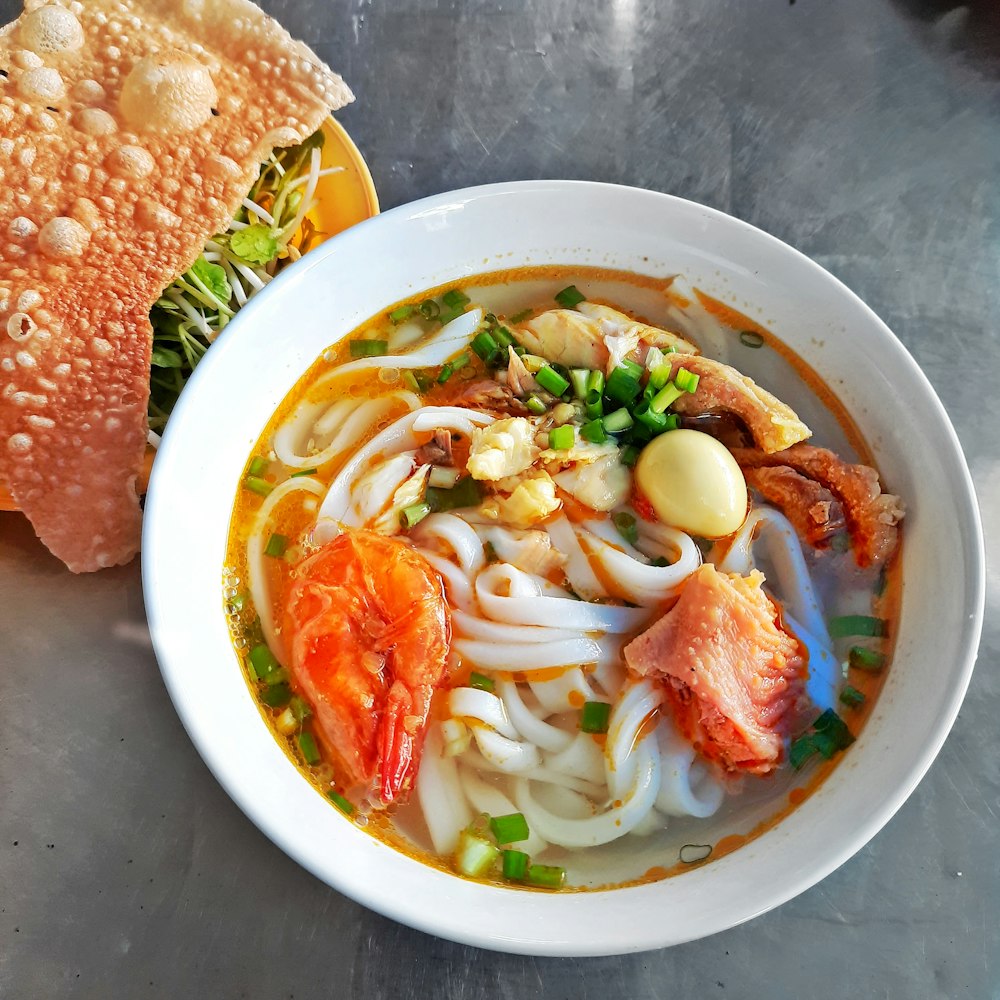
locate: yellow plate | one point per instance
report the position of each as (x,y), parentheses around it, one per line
(343,199)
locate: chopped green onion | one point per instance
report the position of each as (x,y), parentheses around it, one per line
(620,420)
(276,695)
(857,625)
(504,337)
(659,376)
(368,348)
(443,477)
(830,734)
(595,382)
(594,432)
(415,380)
(460,362)
(347,808)
(659,561)
(447,315)
(481,682)
(489,550)
(863,658)
(429,309)
(238,602)
(411,516)
(594,404)
(446,372)
(300,708)
(509,829)
(851,696)
(594,717)
(673,421)
(750,338)
(630,456)
(578,379)
(686,380)
(521,316)
(304,472)
(632,368)
(802,749)
(263,662)
(546,876)
(308,749)
(562,438)
(276,546)
(485,346)
(622,386)
(535,405)
(475,856)
(665,397)
(515,864)
(520,351)
(882,582)
(455,299)
(257,485)
(465,493)
(569,297)
(401,313)
(626,525)
(645,414)
(257,466)
(549,379)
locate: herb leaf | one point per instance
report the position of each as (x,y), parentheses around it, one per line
(164,357)
(213,277)
(256,244)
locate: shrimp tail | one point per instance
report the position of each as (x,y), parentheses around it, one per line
(401,729)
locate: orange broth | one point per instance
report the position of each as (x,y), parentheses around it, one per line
(526,287)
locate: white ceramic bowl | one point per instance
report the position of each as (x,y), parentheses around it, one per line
(444,239)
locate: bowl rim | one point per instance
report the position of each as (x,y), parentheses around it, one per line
(430,919)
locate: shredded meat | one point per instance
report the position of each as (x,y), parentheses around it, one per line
(870,514)
(437,451)
(773,425)
(810,506)
(494,398)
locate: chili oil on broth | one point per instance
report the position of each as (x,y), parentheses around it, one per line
(842,587)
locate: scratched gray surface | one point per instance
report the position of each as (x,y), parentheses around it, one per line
(863,132)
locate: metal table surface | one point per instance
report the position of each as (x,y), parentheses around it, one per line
(863,132)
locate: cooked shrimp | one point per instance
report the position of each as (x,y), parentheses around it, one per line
(368,633)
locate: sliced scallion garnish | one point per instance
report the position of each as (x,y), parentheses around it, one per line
(509,829)
(851,696)
(276,545)
(562,438)
(570,296)
(257,485)
(550,380)
(308,749)
(347,808)
(515,865)
(862,658)
(866,625)
(620,420)
(258,466)
(545,876)
(411,516)
(594,717)
(626,526)
(368,348)
(481,682)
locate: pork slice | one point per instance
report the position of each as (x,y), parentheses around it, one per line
(773,425)
(733,676)
(870,514)
(814,512)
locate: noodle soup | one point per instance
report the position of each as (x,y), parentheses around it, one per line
(537,586)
